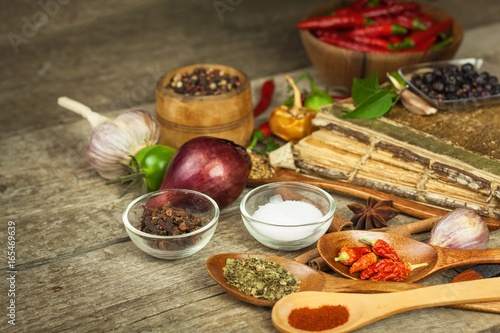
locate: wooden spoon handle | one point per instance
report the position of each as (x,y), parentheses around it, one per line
(449,258)
(485,290)
(336,284)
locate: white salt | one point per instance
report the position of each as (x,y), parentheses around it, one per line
(287,212)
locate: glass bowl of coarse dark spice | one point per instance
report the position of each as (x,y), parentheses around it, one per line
(171,224)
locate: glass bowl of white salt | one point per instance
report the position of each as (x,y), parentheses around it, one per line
(287,215)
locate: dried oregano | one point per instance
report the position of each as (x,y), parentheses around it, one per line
(260,278)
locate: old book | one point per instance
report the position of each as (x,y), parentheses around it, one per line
(392,156)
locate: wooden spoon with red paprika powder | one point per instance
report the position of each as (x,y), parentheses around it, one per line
(349,311)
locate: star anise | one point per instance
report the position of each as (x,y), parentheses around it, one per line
(374,215)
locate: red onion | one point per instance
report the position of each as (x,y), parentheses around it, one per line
(460,229)
(216,167)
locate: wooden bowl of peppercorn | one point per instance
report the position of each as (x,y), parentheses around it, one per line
(204,100)
(339,66)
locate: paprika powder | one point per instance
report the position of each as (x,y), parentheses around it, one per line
(325,317)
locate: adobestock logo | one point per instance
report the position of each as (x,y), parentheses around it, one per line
(221,7)
(30,27)
(139,92)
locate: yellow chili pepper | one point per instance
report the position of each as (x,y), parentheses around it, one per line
(292,123)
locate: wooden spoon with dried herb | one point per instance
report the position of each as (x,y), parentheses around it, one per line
(308,278)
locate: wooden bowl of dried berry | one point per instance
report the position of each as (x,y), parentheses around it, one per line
(345,42)
(204,100)
(172,223)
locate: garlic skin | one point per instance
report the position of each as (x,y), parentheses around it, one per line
(413,103)
(460,229)
(113,140)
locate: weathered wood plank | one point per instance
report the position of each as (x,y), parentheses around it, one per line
(77,269)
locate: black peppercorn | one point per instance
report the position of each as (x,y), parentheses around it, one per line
(452,82)
(203,82)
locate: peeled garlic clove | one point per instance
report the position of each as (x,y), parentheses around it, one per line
(113,141)
(460,229)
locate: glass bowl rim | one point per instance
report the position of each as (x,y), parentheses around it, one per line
(324,219)
(136,231)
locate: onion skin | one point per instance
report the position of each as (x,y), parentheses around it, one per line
(460,229)
(216,167)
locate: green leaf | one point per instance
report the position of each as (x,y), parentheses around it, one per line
(364,88)
(374,106)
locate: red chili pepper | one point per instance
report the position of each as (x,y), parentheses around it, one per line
(260,134)
(374,41)
(389,270)
(389,2)
(333,21)
(264,128)
(352,45)
(266,95)
(426,45)
(406,21)
(426,19)
(359,4)
(392,271)
(409,22)
(394,39)
(364,262)
(392,9)
(326,33)
(373,269)
(381,248)
(349,255)
(346,11)
(381,30)
(418,37)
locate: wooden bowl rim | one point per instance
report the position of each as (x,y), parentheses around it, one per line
(457,32)
(163,90)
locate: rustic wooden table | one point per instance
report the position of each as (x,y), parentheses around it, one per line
(75,268)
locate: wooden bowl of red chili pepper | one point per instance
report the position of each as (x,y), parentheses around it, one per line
(350,42)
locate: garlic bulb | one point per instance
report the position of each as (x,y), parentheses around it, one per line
(413,103)
(460,229)
(114,140)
